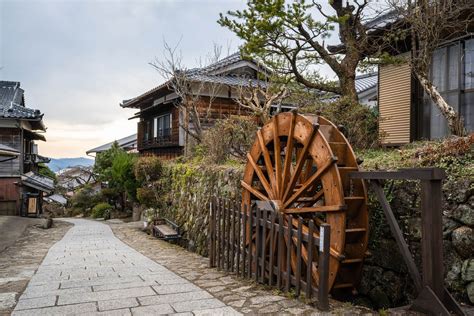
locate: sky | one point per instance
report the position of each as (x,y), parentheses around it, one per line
(77,60)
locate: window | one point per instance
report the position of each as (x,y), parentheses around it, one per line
(452,72)
(162,126)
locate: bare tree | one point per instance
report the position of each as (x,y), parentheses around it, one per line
(195,92)
(259,98)
(430,24)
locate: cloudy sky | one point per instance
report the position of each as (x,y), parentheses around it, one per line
(78,59)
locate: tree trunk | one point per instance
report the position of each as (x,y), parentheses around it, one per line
(349,94)
(455,124)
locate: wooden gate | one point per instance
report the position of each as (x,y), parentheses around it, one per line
(229,251)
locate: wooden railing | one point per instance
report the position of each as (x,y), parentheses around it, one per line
(266,258)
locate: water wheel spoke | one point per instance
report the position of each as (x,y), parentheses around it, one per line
(289,151)
(261,176)
(300,162)
(313,209)
(309,182)
(277,153)
(254,191)
(266,159)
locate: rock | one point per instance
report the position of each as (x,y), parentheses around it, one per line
(414,228)
(470,292)
(392,286)
(379,298)
(47,223)
(463,241)
(387,256)
(464,213)
(467,270)
(458,191)
(448,226)
(370,277)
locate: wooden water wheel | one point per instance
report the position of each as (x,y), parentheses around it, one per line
(301,164)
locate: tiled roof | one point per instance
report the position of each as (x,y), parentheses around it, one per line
(38,182)
(366,82)
(125,143)
(211,74)
(7,151)
(12,103)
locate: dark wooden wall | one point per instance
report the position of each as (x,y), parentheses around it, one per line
(9,196)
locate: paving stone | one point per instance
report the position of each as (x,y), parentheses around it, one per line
(125,285)
(160,309)
(7,300)
(266,299)
(224,311)
(117,304)
(104,295)
(195,305)
(75,309)
(176,288)
(171,298)
(117,312)
(39,291)
(101,281)
(35,302)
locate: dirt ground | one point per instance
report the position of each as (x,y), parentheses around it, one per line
(23,245)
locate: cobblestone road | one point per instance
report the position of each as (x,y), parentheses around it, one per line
(92,272)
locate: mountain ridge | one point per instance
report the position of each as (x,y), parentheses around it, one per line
(57,164)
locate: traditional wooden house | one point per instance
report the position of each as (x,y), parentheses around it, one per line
(160,127)
(21,187)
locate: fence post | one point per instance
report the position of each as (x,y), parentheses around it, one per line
(212,237)
(323,291)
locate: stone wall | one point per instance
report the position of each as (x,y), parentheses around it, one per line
(188,192)
(385,278)
(385,281)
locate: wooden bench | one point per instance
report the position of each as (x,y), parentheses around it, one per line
(165,229)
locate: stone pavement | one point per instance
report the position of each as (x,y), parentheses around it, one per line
(243,295)
(91,272)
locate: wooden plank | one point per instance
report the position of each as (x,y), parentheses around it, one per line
(432,236)
(264,248)
(277,152)
(254,191)
(289,151)
(260,176)
(325,208)
(257,242)
(299,237)
(211,234)
(244,238)
(401,174)
(218,233)
(229,229)
(310,181)
(397,234)
(249,242)
(280,251)
(272,248)
(323,268)
(309,263)
(289,243)
(233,234)
(239,236)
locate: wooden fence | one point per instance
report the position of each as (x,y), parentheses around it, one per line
(265,258)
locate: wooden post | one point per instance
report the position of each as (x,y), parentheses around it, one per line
(323,291)
(212,237)
(309,266)
(432,236)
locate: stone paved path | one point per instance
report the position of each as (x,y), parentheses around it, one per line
(92,272)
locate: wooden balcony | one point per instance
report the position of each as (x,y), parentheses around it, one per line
(165,138)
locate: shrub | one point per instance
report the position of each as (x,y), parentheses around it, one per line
(84,199)
(101,210)
(148,168)
(228,139)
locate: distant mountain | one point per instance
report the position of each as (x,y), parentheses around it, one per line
(57,164)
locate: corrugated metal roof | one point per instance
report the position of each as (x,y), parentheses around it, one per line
(128,142)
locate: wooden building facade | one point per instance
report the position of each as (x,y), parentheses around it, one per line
(160,129)
(21,188)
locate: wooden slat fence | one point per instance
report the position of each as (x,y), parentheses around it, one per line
(268,262)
